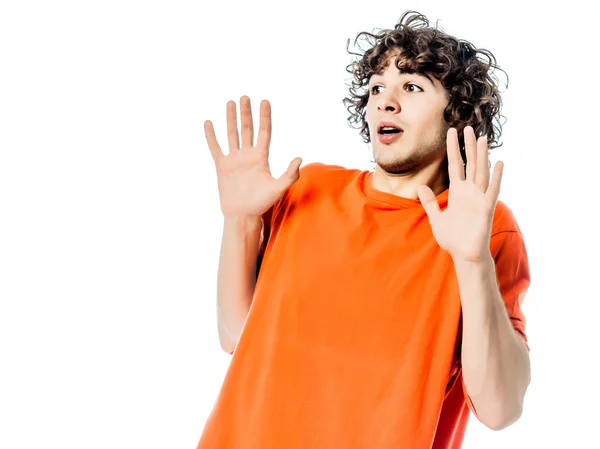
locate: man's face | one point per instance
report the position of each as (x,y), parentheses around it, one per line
(415,104)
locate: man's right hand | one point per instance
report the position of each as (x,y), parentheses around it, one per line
(246,187)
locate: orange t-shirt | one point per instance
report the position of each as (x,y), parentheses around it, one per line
(352,340)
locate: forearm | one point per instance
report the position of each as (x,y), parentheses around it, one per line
(236,277)
(495,360)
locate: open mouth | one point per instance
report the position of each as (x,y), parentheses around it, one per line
(386,130)
(389,134)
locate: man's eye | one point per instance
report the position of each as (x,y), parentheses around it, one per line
(409,86)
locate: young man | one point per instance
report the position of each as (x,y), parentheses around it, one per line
(374,309)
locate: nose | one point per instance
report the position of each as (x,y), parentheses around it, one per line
(387,102)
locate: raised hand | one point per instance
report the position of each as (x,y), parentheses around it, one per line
(246,187)
(464,228)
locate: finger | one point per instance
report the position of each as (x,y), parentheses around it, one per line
(494,189)
(291,175)
(429,202)
(264,131)
(455,164)
(247,125)
(232,129)
(483,164)
(211,139)
(471,153)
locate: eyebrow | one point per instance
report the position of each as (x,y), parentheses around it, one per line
(424,75)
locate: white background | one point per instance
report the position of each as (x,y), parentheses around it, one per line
(109,216)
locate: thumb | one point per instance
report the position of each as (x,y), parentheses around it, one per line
(291,175)
(429,202)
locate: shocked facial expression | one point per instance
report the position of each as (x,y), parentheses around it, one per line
(405,118)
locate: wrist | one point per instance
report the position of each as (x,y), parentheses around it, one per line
(475,268)
(247,223)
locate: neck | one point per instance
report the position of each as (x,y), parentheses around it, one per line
(405,185)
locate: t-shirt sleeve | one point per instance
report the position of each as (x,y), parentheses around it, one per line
(512,270)
(273,218)
(267,219)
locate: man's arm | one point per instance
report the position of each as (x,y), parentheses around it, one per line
(236,277)
(247,191)
(495,359)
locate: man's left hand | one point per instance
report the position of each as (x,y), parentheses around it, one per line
(464,228)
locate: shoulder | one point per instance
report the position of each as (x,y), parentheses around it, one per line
(317,176)
(318,170)
(507,242)
(504,220)
(315,179)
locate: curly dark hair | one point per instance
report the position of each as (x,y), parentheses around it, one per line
(466,72)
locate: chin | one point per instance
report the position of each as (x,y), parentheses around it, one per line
(398,165)
(398,162)
(391,158)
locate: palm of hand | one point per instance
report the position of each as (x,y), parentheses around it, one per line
(463,229)
(246,186)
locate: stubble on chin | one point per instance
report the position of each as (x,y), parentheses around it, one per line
(399,165)
(412,163)
(425,150)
